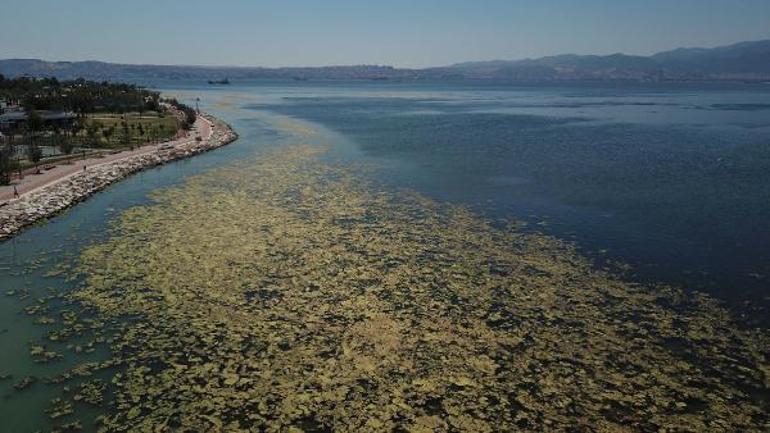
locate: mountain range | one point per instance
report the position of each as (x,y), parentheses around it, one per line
(745,61)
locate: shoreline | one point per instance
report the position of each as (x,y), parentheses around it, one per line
(73,185)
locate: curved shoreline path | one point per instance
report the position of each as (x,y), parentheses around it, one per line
(50,192)
(34,182)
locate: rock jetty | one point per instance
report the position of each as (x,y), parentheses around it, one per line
(52,199)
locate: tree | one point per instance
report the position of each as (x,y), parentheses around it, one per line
(189,113)
(190,117)
(7,162)
(35,123)
(91,130)
(66,146)
(11,138)
(127,136)
(152,102)
(107,133)
(56,135)
(81,96)
(34,154)
(77,127)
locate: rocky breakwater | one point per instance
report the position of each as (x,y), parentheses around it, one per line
(55,197)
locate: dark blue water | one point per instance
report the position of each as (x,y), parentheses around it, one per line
(671,179)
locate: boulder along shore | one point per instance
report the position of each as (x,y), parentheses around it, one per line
(59,195)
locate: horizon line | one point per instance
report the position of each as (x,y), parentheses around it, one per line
(203,66)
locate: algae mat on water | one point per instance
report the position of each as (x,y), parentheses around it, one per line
(287,294)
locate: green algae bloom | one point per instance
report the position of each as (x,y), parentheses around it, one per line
(285,294)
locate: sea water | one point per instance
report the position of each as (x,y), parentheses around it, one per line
(672,180)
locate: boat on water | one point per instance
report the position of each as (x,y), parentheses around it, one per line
(223,81)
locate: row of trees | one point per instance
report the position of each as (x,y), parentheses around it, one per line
(27,139)
(81,96)
(29,142)
(9,161)
(189,113)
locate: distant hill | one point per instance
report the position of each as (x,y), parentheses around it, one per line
(94,70)
(742,61)
(742,58)
(746,61)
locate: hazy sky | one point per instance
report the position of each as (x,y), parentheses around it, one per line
(407,33)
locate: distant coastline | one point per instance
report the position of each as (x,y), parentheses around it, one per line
(742,62)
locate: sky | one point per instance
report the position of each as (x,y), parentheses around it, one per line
(403,33)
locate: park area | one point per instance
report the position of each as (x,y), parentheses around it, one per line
(112,130)
(92,135)
(45,122)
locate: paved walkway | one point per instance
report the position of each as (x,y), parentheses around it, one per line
(32,182)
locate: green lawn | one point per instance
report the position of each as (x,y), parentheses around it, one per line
(151,126)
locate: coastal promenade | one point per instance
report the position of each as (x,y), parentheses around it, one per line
(32,182)
(45,194)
